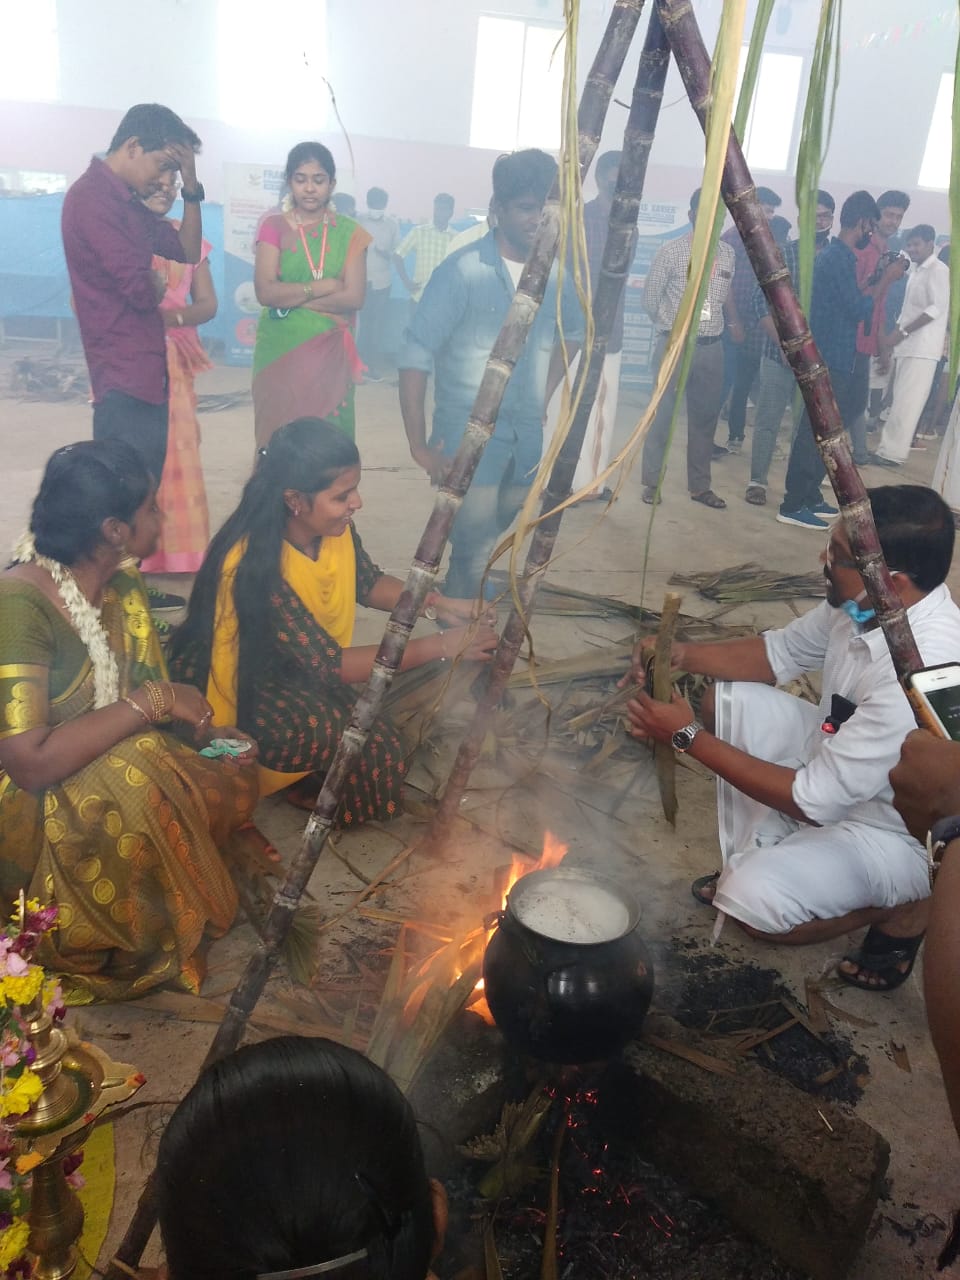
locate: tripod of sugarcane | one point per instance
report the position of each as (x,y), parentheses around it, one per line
(672,29)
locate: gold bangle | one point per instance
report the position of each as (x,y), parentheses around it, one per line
(137,708)
(157,708)
(308,292)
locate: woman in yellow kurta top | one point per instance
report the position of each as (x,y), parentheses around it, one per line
(269,632)
(111,816)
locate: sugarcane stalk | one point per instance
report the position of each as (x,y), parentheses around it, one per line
(739,192)
(664,758)
(597,93)
(637,141)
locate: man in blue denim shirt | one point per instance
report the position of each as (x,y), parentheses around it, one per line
(453,331)
(837,307)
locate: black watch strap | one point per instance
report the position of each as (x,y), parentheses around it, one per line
(941,834)
(193,197)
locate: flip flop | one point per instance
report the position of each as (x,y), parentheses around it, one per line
(881,954)
(704,882)
(756,495)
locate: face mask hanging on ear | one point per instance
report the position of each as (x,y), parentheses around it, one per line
(853,611)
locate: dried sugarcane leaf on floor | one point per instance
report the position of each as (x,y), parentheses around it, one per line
(747,583)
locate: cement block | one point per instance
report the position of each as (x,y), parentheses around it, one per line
(795,1172)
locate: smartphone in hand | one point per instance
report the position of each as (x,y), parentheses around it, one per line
(935,695)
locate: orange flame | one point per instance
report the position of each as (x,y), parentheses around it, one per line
(554,851)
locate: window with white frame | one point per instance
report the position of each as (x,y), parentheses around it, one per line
(30,52)
(517,85)
(935,168)
(266,88)
(768,137)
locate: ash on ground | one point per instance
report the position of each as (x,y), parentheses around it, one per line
(620,1218)
(708,992)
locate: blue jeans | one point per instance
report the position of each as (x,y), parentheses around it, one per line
(488,510)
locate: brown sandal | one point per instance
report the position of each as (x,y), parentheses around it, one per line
(650,495)
(756,495)
(709,499)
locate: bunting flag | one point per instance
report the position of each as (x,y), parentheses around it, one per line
(933,24)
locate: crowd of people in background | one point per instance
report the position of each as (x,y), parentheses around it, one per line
(129,811)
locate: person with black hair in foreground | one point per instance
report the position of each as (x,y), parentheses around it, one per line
(812,845)
(269,632)
(102,808)
(296,1157)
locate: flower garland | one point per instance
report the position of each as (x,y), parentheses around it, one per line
(20,982)
(84,618)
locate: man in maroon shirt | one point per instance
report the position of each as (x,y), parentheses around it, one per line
(110,237)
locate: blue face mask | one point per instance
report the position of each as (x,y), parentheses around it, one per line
(853,611)
(858,615)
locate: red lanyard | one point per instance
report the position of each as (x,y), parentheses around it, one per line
(315,271)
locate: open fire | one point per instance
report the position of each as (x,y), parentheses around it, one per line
(554,852)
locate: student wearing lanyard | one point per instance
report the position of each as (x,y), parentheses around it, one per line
(311,279)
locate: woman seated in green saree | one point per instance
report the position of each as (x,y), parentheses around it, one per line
(102,808)
(311,279)
(269,633)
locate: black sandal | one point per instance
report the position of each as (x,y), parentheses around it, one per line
(881,955)
(704,882)
(709,499)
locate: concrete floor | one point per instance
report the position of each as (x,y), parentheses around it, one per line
(601,552)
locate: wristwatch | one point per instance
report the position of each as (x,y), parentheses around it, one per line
(939,836)
(430,612)
(683,738)
(196,196)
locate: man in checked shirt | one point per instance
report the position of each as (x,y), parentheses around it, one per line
(661,299)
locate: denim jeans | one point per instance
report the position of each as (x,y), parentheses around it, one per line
(777,387)
(747,367)
(488,510)
(805,470)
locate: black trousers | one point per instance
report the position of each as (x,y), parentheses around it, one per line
(805,470)
(121,417)
(748,366)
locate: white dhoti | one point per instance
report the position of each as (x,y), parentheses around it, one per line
(598,441)
(946,474)
(912,380)
(779,873)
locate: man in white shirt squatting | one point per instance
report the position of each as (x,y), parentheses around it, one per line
(812,846)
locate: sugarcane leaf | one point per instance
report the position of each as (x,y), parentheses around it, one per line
(491,1259)
(818,114)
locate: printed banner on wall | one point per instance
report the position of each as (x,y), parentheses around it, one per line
(250,191)
(656,223)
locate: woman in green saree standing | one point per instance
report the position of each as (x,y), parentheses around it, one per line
(311,280)
(102,808)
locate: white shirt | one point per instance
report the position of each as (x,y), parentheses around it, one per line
(928,293)
(846,775)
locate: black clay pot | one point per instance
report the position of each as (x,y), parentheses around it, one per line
(561,1000)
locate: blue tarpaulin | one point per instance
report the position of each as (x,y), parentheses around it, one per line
(33,270)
